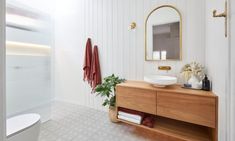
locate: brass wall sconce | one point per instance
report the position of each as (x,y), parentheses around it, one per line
(133,25)
(225,15)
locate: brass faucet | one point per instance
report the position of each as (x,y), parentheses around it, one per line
(166,68)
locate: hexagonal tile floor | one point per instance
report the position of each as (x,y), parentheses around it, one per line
(77,123)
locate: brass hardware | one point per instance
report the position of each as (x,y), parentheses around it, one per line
(133,25)
(225,15)
(146,59)
(167,68)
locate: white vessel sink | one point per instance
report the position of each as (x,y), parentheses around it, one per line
(160,80)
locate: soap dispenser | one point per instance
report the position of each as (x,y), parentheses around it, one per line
(206,84)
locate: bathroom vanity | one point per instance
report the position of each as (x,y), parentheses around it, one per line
(180,114)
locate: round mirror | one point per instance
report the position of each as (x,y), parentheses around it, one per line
(163,34)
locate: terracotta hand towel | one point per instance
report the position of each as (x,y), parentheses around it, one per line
(95,69)
(87,61)
(148,121)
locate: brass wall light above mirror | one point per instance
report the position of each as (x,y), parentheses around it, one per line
(163,34)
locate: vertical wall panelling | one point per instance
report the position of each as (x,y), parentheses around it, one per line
(125,40)
(104,41)
(121,49)
(139,38)
(100,36)
(115,47)
(120,37)
(109,33)
(132,37)
(2,72)
(232,67)
(217,62)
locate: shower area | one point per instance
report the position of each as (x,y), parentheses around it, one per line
(28,58)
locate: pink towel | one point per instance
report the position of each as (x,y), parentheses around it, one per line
(87,62)
(95,69)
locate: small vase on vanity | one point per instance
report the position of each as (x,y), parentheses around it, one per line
(193,74)
(194,82)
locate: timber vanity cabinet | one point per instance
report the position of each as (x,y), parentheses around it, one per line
(180,114)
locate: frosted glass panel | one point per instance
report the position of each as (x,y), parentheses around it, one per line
(28,55)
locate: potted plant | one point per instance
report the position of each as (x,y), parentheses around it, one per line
(107,90)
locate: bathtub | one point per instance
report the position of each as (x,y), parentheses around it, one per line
(23,127)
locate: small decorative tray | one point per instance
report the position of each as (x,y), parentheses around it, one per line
(190,88)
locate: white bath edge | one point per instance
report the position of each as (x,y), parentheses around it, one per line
(11,135)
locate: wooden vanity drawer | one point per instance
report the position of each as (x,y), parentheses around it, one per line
(190,108)
(137,99)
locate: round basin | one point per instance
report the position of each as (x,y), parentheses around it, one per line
(160,80)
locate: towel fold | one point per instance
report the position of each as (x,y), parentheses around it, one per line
(129,119)
(133,112)
(128,115)
(149,121)
(95,69)
(87,61)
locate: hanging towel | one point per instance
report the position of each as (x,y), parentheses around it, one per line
(87,61)
(95,69)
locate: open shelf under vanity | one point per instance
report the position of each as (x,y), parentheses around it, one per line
(180,114)
(176,130)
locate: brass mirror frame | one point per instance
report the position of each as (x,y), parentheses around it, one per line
(162,6)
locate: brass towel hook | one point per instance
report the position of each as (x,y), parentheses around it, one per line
(225,15)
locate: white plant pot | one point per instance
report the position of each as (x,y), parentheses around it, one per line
(194,82)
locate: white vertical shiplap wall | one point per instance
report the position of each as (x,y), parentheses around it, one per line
(232,62)
(217,62)
(2,73)
(121,50)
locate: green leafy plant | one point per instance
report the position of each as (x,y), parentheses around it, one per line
(107,89)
